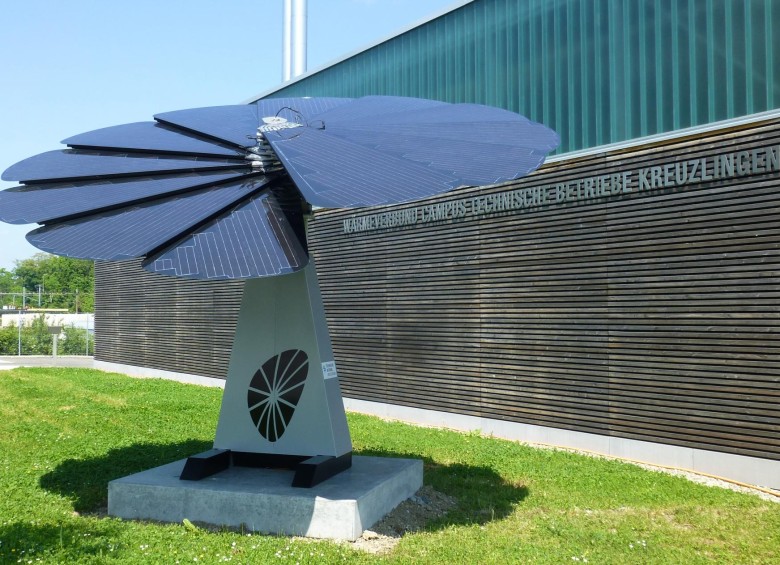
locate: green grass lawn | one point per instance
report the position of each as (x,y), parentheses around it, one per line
(64,433)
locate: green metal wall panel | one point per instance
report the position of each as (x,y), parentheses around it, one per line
(597,71)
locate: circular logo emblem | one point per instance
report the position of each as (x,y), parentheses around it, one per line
(275,390)
(276,123)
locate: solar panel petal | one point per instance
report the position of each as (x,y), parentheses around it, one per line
(44,203)
(515,134)
(332,172)
(71,164)
(150,137)
(254,239)
(131,190)
(416,148)
(232,124)
(472,160)
(137,230)
(238,124)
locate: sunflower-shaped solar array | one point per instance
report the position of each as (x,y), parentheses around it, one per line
(221,192)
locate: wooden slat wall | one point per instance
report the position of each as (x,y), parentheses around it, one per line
(160,322)
(651,316)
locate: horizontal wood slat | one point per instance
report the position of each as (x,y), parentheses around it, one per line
(161,322)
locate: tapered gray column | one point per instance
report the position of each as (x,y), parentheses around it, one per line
(282,393)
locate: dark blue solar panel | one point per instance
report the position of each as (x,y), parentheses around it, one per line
(473,160)
(34,204)
(513,134)
(149,137)
(70,164)
(382,150)
(254,239)
(233,124)
(238,124)
(132,190)
(332,172)
(415,147)
(137,230)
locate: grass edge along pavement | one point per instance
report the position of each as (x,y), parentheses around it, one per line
(64,433)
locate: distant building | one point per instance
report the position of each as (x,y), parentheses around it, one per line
(52,318)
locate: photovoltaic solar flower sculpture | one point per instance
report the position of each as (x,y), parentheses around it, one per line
(222,193)
(206,193)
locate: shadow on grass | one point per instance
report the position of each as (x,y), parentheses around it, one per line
(482,494)
(72,542)
(86,480)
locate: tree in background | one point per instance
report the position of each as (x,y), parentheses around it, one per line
(9,340)
(74,342)
(62,282)
(36,339)
(8,282)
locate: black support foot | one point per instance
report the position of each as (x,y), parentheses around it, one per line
(205,464)
(309,471)
(314,470)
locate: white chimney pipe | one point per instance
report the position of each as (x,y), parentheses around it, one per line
(294,39)
(299,18)
(286,42)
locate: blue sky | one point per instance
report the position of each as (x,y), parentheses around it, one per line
(70,67)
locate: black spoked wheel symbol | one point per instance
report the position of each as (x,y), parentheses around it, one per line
(275,390)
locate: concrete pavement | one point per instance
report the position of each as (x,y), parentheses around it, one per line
(13,361)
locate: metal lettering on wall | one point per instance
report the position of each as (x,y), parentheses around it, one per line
(761,160)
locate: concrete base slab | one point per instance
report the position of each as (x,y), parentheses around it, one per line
(262,500)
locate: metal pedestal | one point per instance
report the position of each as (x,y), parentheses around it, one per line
(282,403)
